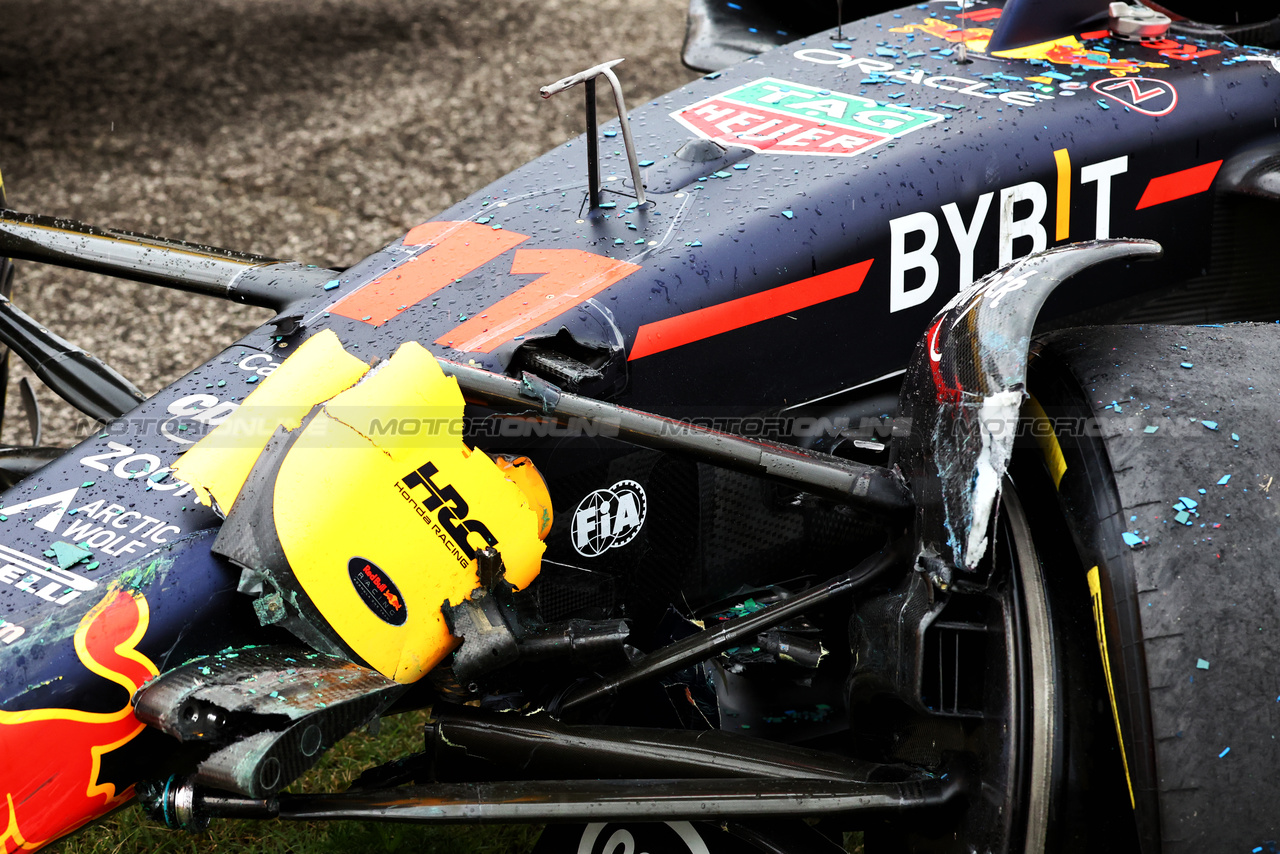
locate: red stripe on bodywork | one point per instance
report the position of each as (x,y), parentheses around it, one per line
(1178,185)
(735,314)
(571,276)
(457,248)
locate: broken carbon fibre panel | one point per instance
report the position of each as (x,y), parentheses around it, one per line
(269,712)
(354,533)
(726,316)
(964,390)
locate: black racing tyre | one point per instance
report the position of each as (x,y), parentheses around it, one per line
(1164,452)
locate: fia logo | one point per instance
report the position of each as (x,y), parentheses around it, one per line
(608,518)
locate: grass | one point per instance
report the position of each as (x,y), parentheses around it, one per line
(128,830)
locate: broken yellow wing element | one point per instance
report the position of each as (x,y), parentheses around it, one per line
(380,509)
(521,472)
(218,464)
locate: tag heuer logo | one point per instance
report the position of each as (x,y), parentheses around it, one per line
(790,118)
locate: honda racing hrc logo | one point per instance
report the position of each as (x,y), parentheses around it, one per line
(608,518)
(445,510)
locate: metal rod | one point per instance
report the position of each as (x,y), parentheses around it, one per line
(603,800)
(873,488)
(698,647)
(593,145)
(221,273)
(588,77)
(468,744)
(627,142)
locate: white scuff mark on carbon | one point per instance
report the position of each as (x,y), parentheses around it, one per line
(992,425)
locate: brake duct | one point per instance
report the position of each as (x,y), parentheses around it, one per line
(963,392)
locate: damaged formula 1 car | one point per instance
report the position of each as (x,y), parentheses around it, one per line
(880,440)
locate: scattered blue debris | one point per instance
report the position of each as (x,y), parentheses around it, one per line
(1189,503)
(646,162)
(86,483)
(1103,104)
(789,214)
(1132,540)
(331,284)
(484,220)
(66,554)
(1188,365)
(1212,425)
(1235,438)
(843,46)
(608,204)
(741,166)
(1201,664)
(1224,479)
(252,378)
(1224,753)
(712,76)
(1151,429)
(611,133)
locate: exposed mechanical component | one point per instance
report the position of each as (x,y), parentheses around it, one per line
(268,713)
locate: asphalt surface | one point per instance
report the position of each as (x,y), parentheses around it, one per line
(314,130)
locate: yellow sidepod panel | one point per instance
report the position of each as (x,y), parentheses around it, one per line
(219,464)
(380,509)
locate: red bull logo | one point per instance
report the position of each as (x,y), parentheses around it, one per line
(50,758)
